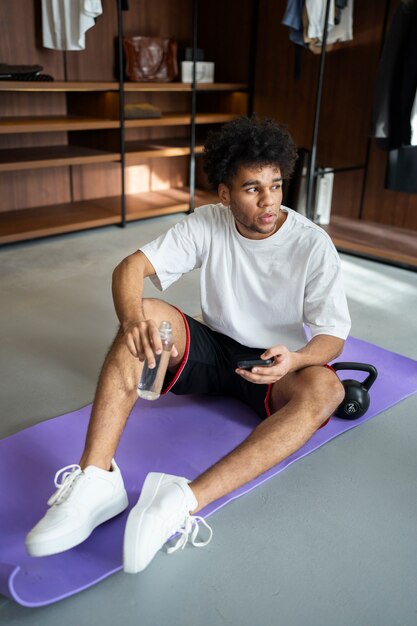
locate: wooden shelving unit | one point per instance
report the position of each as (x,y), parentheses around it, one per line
(44,220)
(184,87)
(180,119)
(15,159)
(163,202)
(58,219)
(53,124)
(58,123)
(89,86)
(57,86)
(136,151)
(63,218)
(64,142)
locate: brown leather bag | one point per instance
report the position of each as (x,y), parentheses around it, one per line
(150,59)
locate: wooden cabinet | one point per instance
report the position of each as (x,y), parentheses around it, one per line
(37,156)
(68,160)
(86,132)
(158,151)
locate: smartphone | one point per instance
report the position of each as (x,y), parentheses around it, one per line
(247,364)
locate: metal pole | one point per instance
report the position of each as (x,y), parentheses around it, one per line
(193,107)
(122,110)
(310,212)
(252,56)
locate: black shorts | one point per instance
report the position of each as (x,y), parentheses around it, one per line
(208,367)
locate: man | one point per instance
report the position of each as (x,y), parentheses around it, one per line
(265,272)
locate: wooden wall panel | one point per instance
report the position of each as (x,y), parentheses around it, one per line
(21,44)
(31,104)
(96,181)
(28,105)
(347,191)
(157,174)
(31,188)
(236,102)
(383,205)
(99,61)
(163,18)
(225,34)
(26,140)
(347,91)
(277,93)
(21,38)
(169,172)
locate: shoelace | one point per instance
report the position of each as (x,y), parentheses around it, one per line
(189,532)
(68,476)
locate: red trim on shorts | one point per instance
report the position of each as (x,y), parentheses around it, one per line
(268,395)
(186,353)
(266,401)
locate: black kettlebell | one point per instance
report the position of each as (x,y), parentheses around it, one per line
(356,401)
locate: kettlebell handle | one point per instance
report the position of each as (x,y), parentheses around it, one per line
(360,367)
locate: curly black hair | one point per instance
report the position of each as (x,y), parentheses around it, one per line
(247,141)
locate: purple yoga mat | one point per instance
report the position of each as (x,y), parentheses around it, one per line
(177,435)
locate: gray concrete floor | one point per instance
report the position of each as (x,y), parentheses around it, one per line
(331,541)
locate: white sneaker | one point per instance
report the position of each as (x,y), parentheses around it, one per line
(84,500)
(162,510)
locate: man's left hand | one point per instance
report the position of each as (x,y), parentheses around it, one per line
(284,362)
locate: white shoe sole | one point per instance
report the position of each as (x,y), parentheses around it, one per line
(47,547)
(131,558)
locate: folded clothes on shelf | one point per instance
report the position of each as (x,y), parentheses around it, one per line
(141,110)
(22,72)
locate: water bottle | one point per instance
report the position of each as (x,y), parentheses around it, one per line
(151,381)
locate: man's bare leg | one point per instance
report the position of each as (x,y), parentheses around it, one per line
(95,495)
(116,389)
(300,402)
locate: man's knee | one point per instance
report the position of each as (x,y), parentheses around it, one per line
(151,306)
(327,393)
(332,392)
(317,390)
(158,311)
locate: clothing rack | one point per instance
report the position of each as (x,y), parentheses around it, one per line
(314,172)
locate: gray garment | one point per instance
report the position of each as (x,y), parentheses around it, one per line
(396,81)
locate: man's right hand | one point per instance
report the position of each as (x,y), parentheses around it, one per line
(144,341)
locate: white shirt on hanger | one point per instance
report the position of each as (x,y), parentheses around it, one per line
(316,11)
(65,22)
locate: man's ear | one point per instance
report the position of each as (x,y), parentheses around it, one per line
(224,194)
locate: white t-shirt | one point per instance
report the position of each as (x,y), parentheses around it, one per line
(316,11)
(65,22)
(260,292)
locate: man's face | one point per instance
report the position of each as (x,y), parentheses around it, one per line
(254,198)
